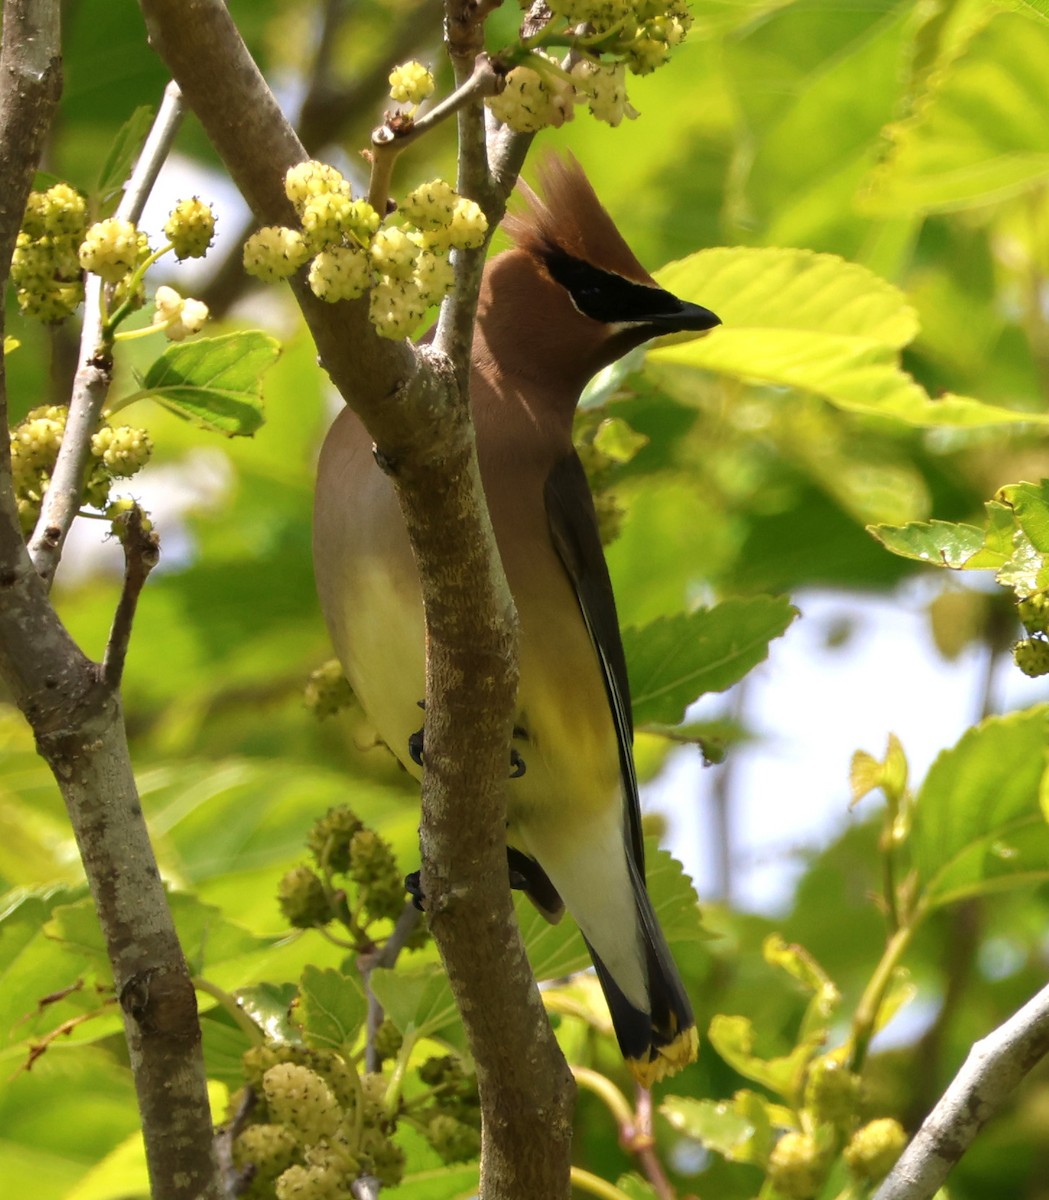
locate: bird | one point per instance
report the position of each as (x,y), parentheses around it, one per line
(567,298)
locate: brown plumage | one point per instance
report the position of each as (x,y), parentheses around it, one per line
(566,300)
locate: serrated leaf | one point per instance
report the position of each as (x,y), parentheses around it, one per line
(940,544)
(793,318)
(332,1008)
(1029,503)
(981,133)
(10,344)
(673,896)
(215,382)
(977,823)
(122,155)
(418,1001)
(739,1130)
(675,660)
(800,965)
(784,289)
(866,773)
(733,1038)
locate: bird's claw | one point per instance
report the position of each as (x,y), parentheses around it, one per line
(413,886)
(415,752)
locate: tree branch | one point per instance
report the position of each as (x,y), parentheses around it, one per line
(94,375)
(79,725)
(141,552)
(412,401)
(991,1073)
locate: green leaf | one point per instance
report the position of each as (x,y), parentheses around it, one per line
(981,133)
(939,543)
(739,1130)
(1030,505)
(675,660)
(733,1038)
(215,382)
(1013,543)
(617,440)
(774,289)
(799,964)
(813,322)
(269,1006)
(456,1182)
(977,822)
(332,1008)
(635,1188)
(418,1001)
(673,896)
(122,156)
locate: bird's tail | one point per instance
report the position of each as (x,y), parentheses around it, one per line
(663,1040)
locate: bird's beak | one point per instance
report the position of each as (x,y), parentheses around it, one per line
(679,316)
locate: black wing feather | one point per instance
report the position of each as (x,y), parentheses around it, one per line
(573,528)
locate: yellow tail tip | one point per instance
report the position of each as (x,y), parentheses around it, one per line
(663,1061)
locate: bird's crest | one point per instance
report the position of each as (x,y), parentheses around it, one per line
(569,220)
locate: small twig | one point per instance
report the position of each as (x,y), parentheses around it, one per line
(231,1006)
(634,1126)
(866,1015)
(991,1073)
(385,957)
(141,553)
(643,1144)
(94,375)
(233,1178)
(398,134)
(155,150)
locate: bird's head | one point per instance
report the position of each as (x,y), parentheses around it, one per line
(570,297)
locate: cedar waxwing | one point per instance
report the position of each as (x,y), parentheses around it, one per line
(567,300)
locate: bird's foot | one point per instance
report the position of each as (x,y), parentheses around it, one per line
(416,743)
(413,886)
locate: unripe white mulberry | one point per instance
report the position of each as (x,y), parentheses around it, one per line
(308,179)
(393,253)
(110,249)
(190,228)
(275,252)
(873,1150)
(122,449)
(532,101)
(340,273)
(410,83)
(301,1101)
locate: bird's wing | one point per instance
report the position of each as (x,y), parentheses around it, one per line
(573,528)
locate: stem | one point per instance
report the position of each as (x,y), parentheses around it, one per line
(110,322)
(141,553)
(866,1016)
(386,957)
(603,1087)
(595,1185)
(643,1143)
(230,1005)
(888,866)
